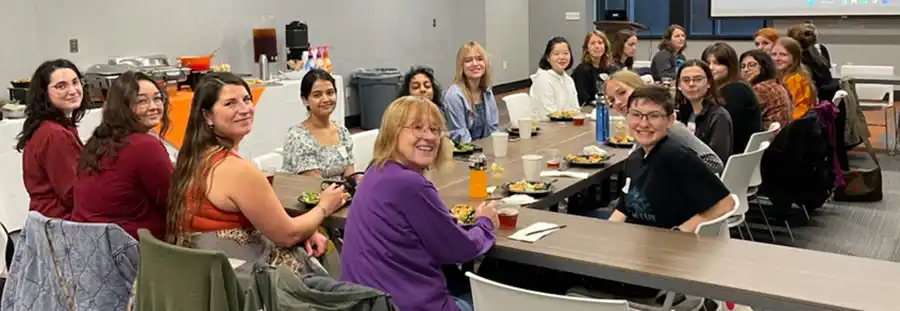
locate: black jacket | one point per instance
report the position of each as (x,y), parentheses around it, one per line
(820,69)
(712,126)
(745,111)
(587,81)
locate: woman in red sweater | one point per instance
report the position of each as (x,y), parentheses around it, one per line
(49,140)
(124,171)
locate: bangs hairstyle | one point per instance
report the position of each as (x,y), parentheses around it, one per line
(725,55)
(712,94)
(666,42)
(656,94)
(767,70)
(460,78)
(607,49)
(396,117)
(769,33)
(544,63)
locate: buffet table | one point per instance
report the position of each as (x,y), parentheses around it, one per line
(278,106)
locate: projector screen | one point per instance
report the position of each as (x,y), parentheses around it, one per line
(798,8)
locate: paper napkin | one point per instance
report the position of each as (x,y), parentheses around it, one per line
(519,199)
(570,174)
(522,235)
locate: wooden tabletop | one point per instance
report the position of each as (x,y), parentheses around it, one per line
(761,275)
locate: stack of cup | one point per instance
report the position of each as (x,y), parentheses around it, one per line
(533,164)
(526,126)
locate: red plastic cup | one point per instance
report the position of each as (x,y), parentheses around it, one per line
(508,217)
(578,120)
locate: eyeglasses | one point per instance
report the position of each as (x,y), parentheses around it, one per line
(749,66)
(63,87)
(420,130)
(693,80)
(653,117)
(158,100)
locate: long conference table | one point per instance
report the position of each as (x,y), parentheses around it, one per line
(760,275)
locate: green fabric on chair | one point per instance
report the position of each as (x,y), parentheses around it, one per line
(174,278)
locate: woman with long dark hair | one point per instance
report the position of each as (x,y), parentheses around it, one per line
(49,140)
(700,107)
(624,48)
(217,200)
(739,98)
(552,89)
(124,170)
(758,69)
(420,81)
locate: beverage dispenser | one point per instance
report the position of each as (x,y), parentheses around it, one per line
(296,38)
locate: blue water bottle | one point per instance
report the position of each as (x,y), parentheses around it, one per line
(602,116)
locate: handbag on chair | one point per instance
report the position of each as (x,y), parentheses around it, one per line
(862,184)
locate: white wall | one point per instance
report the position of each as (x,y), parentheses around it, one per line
(364,33)
(547,19)
(507,41)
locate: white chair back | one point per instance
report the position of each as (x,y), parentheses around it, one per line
(363,149)
(871,92)
(269,162)
(719,227)
(755,140)
(489,295)
(641,64)
(738,172)
(518,106)
(838,97)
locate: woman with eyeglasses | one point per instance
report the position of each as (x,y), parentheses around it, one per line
(124,171)
(739,98)
(49,140)
(400,233)
(700,107)
(758,69)
(420,81)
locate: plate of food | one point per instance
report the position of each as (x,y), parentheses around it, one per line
(21,83)
(464,214)
(593,159)
(562,115)
(465,148)
(621,141)
(515,131)
(528,187)
(312,198)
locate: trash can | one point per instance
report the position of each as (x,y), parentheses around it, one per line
(375,89)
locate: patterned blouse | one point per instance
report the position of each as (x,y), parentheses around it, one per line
(776,102)
(302,153)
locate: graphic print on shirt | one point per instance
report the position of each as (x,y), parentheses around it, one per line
(638,205)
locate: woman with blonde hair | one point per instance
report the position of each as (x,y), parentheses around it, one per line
(469,103)
(788,54)
(400,232)
(596,59)
(818,65)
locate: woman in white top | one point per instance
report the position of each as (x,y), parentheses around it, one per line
(552,89)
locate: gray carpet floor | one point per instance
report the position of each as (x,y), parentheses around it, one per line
(869,230)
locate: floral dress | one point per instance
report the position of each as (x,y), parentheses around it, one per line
(302,153)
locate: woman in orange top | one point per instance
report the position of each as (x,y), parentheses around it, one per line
(787,55)
(220,201)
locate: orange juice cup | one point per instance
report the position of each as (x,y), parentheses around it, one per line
(478,182)
(508,217)
(578,120)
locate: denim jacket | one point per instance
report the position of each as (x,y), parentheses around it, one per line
(461,118)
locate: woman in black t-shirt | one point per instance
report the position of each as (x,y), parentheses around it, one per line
(700,107)
(666,184)
(597,56)
(738,97)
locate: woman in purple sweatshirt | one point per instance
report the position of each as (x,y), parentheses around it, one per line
(398,232)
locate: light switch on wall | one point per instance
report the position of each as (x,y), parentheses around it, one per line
(504,65)
(573,16)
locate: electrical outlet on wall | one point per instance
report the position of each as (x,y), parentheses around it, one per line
(573,16)
(73,45)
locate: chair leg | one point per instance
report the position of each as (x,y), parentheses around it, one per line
(766,219)
(740,232)
(788,226)
(667,304)
(749,233)
(887,131)
(805,212)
